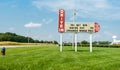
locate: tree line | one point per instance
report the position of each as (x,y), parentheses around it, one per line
(84,42)
(13,37)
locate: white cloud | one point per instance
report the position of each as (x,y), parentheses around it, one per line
(54,5)
(47,21)
(71,4)
(103,36)
(32,25)
(97,9)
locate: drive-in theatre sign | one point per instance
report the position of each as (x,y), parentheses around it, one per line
(89,27)
(77,27)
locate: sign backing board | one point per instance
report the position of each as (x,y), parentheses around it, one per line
(84,27)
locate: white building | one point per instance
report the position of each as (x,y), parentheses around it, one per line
(115,41)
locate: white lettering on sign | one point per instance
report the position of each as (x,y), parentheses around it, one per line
(61,15)
(61,22)
(61,11)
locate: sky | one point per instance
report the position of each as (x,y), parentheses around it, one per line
(39,18)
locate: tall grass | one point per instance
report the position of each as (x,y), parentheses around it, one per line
(17,44)
(9,43)
(49,58)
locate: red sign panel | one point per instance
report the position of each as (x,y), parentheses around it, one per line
(61,21)
(97,27)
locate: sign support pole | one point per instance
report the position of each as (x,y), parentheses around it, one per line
(60,42)
(90,42)
(74,14)
(75,42)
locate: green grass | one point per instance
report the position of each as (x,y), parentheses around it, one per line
(49,58)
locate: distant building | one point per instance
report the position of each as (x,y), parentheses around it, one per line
(115,41)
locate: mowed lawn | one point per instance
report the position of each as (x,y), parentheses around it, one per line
(49,58)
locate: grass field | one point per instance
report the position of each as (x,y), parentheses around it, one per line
(49,58)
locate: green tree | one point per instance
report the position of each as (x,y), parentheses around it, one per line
(84,42)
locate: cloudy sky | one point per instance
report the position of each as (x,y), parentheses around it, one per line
(39,18)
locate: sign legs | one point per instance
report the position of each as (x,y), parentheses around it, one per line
(60,42)
(90,42)
(75,42)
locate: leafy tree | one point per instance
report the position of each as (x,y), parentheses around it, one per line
(84,42)
(104,42)
(95,42)
(54,42)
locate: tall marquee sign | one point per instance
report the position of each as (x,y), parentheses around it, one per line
(77,27)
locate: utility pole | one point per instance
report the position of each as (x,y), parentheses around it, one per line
(74,14)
